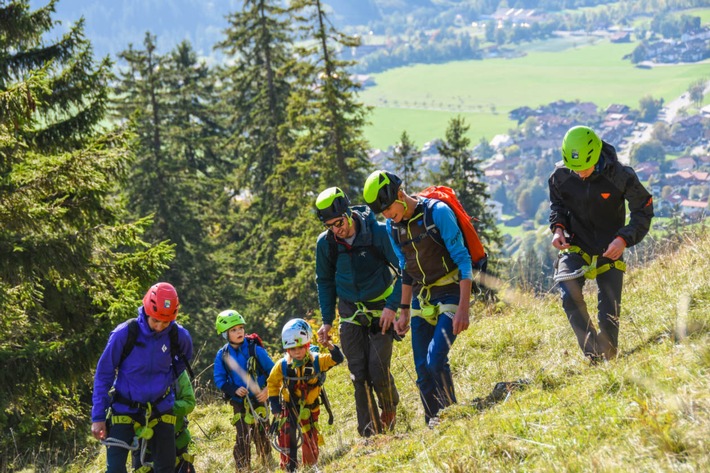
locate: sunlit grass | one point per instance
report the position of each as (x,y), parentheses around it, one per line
(645,411)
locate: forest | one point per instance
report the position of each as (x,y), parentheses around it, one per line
(116,174)
(160,168)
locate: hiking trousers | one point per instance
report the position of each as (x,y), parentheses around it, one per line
(369,355)
(161,445)
(245,433)
(609,285)
(431,345)
(288,440)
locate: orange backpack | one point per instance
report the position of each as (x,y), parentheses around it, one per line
(473,243)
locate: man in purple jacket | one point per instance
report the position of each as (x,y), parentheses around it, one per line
(141,365)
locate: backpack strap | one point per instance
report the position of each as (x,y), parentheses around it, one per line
(431,230)
(333,251)
(225,354)
(132,328)
(254,368)
(175,352)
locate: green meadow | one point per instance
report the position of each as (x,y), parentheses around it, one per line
(422,99)
(646,411)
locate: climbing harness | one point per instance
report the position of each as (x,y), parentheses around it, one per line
(296,410)
(369,314)
(430,312)
(252,414)
(143,433)
(590,270)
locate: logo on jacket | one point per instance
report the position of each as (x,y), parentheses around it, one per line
(164,348)
(605,195)
(362,253)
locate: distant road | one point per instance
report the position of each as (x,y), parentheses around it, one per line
(642,132)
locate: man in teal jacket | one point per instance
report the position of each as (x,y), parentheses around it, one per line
(354,265)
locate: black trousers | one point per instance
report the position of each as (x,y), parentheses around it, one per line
(593,343)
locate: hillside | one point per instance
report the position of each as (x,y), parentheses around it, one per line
(646,411)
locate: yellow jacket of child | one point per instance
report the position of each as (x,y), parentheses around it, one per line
(276,381)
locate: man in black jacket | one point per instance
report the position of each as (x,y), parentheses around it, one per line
(588,221)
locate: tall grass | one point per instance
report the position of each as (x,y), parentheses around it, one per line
(646,411)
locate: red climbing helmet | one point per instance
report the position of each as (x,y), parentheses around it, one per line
(161,302)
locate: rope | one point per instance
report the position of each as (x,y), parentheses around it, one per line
(114,442)
(274,436)
(262,419)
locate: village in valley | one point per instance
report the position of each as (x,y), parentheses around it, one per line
(667,144)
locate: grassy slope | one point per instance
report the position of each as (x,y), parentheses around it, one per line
(422,99)
(646,411)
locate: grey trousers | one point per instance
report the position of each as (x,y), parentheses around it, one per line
(369,354)
(592,342)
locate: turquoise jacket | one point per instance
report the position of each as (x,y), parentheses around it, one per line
(359,272)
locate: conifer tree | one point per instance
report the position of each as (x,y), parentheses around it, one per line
(325,148)
(255,89)
(253,94)
(72,265)
(178,171)
(324,109)
(406,159)
(461,171)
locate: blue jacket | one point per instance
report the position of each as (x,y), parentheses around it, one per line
(358,273)
(145,375)
(228,380)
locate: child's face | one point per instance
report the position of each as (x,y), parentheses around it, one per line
(297,353)
(236,334)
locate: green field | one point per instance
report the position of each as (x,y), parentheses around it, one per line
(422,99)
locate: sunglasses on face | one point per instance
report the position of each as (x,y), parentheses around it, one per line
(337,224)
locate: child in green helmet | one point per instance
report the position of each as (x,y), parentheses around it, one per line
(240,371)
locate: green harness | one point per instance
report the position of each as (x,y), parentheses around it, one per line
(591,270)
(369,313)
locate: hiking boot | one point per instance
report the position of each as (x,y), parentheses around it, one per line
(388,420)
(434,422)
(595,360)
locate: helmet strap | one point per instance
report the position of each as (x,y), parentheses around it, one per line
(404,204)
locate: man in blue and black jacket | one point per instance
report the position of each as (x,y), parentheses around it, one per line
(588,196)
(141,378)
(355,268)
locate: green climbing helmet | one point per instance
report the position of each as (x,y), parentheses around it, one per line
(381,189)
(332,203)
(228,319)
(581,148)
